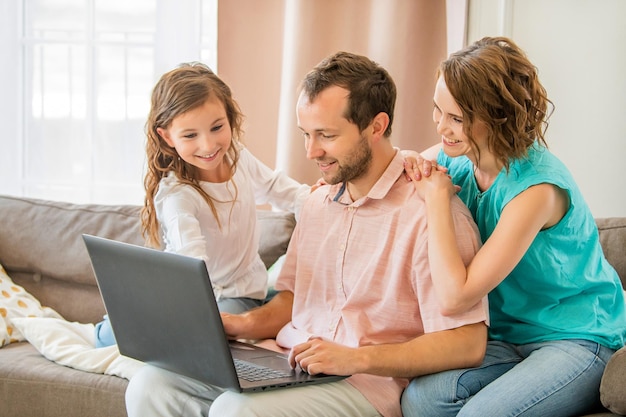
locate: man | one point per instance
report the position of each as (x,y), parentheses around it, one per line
(355,293)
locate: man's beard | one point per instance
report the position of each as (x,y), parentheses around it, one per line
(355,166)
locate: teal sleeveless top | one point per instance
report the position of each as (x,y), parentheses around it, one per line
(563,287)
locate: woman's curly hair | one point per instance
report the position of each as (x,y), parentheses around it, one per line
(493,81)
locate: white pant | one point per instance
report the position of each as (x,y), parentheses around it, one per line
(156,392)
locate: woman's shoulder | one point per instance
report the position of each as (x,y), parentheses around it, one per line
(460,168)
(457,161)
(540,165)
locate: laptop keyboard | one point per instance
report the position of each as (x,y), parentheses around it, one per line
(252,372)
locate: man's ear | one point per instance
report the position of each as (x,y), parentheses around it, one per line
(166,136)
(379,125)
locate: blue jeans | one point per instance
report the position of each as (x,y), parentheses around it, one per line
(556,378)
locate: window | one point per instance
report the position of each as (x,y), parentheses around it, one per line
(84,70)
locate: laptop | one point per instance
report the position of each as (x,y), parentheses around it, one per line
(163,312)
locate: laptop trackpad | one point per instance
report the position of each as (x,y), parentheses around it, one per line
(252,353)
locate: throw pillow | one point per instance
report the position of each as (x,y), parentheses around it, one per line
(72,344)
(16,302)
(613,383)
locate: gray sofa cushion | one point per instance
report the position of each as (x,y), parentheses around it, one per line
(31,385)
(613,239)
(276,229)
(614,383)
(44,237)
(42,250)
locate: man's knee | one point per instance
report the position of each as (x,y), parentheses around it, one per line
(139,392)
(231,404)
(141,379)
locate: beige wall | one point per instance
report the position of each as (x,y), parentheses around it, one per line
(266,47)
(249,41)
(579,47)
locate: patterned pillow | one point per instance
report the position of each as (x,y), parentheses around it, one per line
(15,302)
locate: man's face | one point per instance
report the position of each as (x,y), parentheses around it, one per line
(341,152)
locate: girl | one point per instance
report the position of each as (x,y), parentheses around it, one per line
(202,187)
(556,305)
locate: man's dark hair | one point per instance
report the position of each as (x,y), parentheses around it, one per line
(371,88)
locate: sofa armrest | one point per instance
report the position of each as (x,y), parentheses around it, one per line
(613,239)
(613,385)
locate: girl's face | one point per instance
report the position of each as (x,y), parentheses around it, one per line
(202,137)
(448,118)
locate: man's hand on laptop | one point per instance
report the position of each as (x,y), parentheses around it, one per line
(234,325)
(317,356)
(262,322)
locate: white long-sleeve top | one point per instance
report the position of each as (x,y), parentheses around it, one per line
(231,254)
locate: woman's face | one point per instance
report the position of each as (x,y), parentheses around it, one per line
(448,118)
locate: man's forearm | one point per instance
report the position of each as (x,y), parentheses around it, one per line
(266,321)
(463,347)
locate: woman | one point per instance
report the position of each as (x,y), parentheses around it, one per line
(556,305)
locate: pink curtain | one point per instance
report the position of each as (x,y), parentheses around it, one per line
(266,47)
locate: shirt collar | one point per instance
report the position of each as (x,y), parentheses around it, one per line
(381,188)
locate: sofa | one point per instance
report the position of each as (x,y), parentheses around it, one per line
(42,251)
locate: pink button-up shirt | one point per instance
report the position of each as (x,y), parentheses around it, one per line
(359,273)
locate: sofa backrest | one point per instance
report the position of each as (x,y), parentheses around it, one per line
(42,250)
(613,239)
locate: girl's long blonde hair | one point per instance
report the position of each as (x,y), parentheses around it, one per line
(178,91)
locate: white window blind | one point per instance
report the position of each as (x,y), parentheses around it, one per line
(77,90)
